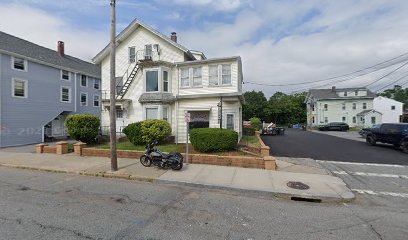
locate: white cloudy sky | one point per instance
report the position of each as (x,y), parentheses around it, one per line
(280,42)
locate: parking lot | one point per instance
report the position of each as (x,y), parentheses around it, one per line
(305,144)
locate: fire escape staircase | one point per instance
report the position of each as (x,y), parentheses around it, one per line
(129,76)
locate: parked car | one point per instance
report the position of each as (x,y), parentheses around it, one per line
(333,126)
(363,132)
(390,133)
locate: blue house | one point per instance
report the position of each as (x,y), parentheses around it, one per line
(39,88)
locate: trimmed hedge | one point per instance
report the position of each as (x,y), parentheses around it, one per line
(140,133)
(133,132)
(213,139)
(83,127)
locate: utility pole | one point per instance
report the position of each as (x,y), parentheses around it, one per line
(112,113)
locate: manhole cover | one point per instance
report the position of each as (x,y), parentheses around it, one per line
(298,185)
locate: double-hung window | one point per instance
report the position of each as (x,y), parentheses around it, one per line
(354,106)
(148,51)
(19,88)
(197,77)
(97,84)
(84,80)
(132,54)
(65,75)
(19,63)
(230,121)
(343,106)
(165,113)
(185,77)
(96,100)
(364,105)
(84,99)
(65,94)
(213,75)
(152,81)
(152,113)
(226,74)
(165,81)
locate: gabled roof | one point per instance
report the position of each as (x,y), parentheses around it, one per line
(129,30)
(319,94)
(19,47)
(365,112)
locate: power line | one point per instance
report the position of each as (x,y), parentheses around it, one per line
(393,71)
(340,76)
(392,83)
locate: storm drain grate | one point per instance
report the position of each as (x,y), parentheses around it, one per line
(301,199)
(298,185)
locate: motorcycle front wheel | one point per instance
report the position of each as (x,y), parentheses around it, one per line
(145,161)
(178,166)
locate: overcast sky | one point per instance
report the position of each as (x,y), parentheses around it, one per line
(280,41)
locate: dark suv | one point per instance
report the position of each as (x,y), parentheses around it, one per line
(391,133)
(339,126)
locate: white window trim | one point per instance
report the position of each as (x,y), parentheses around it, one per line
(159,76)
(99,100)
(168,79)
(86,80)
(189,77)
(69,95)
(80,99)
(134,60)
(69,76)
(25,64)
(25,87)
(226,119)
(220,76)
(150,107)
(192,78)
(100,82)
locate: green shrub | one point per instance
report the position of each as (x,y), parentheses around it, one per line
(249,131)
(213,139)
(256,123)
(133,132)
(83,127)
(155,130)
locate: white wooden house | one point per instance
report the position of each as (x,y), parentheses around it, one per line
(157,78)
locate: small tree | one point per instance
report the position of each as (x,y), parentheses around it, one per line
(255,123)
(155,130)
(83,127)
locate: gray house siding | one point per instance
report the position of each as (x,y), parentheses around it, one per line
(23,119)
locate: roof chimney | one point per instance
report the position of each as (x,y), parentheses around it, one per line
(61,49)
(333,88)
(173,36)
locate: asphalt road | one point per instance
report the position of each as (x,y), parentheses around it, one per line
(40,205)
(305,144)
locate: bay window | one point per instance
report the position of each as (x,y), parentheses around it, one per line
(165,81)
(152,81)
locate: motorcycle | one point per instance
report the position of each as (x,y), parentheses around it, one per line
(157,158)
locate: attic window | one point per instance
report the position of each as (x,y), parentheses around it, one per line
(132,54)
(19,64)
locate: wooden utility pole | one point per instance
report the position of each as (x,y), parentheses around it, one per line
(112,112)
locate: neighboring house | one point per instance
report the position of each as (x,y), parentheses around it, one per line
(39,88)
(350,105)
(157,78)
(391,110)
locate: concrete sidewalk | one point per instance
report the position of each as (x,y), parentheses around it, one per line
(259,181)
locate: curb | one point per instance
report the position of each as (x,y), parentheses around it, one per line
(251,192)
(84,173)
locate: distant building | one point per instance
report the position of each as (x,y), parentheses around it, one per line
(353,106)
(391,110)
(39,88)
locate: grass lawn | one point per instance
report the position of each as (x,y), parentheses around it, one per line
(251,140)
(168,148)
